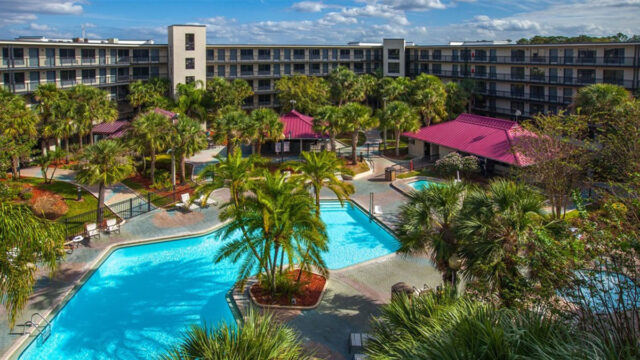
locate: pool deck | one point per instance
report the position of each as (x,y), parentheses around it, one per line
(352,296)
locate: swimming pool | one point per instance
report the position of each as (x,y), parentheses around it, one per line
(421,184)
(138,302)
(604,291)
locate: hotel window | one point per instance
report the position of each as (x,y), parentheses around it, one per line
(614,56)
(140,55)
(88,56)
(67,77)
(18,81)
(553,55)
(67,56)
(537,74)
(436,68)
(189,79)
(586,76)
(287,54)
(189,42)
(155,55)
(424,54)
(517,73)
(276,69)
(264,84)
(264,54)
(264,69)
(18,56)
(325,68)
(210,71)
(51,76)
(536,92)
(454,69)
(221,72)
(358,54)
(553,75)
(568,76)
(154,72)
(424,68)
(567,94)
(210,53)
(298,54)
(553,93)
(190,63)
(613,77)
(7,81)
(221,55)
(437,54)
(517,105)
(140,73)
(298,68)
(394,54)
(264,99)
(287,69)
(345,53)
(315,68)
(394,68)
(537,56)
(233,54)
(34,78)
(325,54)
(314,53)
(233,71)
(334,54)
(246,54)
(89,76)
(587,56)
(517,90)
(517,55)
(276,54)
(246,69)
(536,109)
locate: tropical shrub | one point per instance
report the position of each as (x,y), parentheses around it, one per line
(48,205)
(163,180)
(454,162)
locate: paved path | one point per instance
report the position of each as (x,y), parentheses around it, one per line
(113,194)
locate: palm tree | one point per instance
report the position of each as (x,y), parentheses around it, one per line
(154,130)
(279,222)
(458,98)
(235,126)
(427,224)
(188,140)
(499,229)
(399,117)
(44,161)
(192,101)
(600,98)
(269,126)
(328,120)
(140,93)
(441,326)
(104,164)
(355,118)
(390,89)
(428,95)
(26,240)
(345,86)
(62,125)
(18,123)
(234,172)
(319,170)
(48,98)
(90,105)
(259,337)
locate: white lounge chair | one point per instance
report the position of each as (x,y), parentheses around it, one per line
(210,201)
(186,202)
(112,226)
(91,230)
(377,210)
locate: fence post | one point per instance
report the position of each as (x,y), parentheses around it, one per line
(130,207)
(149,201)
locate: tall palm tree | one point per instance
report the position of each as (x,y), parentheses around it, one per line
(235,126)
(427,224)
(140,93)
(399,117)
(48,97)
(355,118)
(319,169)
(90,105)
(390,89)
(62,125)
(26,240)
(328,120)
(441,326)
(600,98)
(498,229)
(233,172)
(154,130)
(192,100)
(428,95)
(104,164)
(259,337)
(345,86)
(18,123)
(278,223)
(269,126)
(188,140)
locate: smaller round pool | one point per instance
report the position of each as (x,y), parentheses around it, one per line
(421,184)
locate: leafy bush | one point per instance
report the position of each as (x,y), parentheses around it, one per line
(453,162)
(26,193)
(163,180)
(49,206)
(286,286)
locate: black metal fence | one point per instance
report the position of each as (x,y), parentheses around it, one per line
(125,209)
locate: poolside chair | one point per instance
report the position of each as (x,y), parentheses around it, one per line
(357,342)
(112,226)
(377,210)
(186,203)
(210,201)
(91,230)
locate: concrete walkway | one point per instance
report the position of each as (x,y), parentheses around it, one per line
(113,194)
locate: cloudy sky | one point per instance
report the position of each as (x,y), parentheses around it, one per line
(322,21)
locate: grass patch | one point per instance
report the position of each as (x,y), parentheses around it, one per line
(358,168)
(158,198)
(408,174)
(346,139)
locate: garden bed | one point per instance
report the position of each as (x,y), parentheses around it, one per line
(311,290)
(142,186)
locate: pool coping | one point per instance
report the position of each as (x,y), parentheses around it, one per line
(20,345)
(403,186)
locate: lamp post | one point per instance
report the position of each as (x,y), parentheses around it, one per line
(282,137)
(518,113)
(293,104)
(455,263)
(384,106)
(173,170)
(79,193)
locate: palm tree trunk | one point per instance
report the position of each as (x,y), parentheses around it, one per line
(91,137)
(43,146)
(153,166)
(81,140)
(66,145)
(332,141)
(316,190)
(14,167)
(183,172)
(55,167)
(385,139)
(101,188)
(397,135)
(258,147)
(354,144)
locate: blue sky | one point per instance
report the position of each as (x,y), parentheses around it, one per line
(321,22)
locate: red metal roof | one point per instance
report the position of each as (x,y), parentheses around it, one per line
(169,114)
(110,128)
(482,136)
(299,126)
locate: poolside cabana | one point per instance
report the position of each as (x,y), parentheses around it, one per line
(492,140)
(298,136)
(113,130)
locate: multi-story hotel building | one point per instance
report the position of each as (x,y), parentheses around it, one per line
(511,79)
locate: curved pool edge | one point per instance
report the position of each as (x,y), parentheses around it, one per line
(21,344)
(402,185)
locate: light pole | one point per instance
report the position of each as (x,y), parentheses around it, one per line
(455,263)
(518,113)
(384,106)
(293,104)
(173,170)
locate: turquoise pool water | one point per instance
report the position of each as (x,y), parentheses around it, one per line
(421,184)
(141,298)
(604,291)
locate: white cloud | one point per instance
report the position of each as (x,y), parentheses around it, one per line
(23,11)
(39,27)
(414,5)
(308,6)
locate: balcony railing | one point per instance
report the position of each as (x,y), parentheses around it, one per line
(548,60)
(89,81)
(88,61)
(67,82)
(525,96)
(68,61)
(140,76)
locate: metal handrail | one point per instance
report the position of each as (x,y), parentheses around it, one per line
(41,330)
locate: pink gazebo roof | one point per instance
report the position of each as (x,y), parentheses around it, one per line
(169,114)
(299,126)
(110,128)
(482,136)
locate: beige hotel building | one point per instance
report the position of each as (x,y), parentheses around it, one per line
(511,79)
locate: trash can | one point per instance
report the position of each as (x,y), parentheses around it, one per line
(389,174)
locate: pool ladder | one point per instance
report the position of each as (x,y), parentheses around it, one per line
(43,331)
